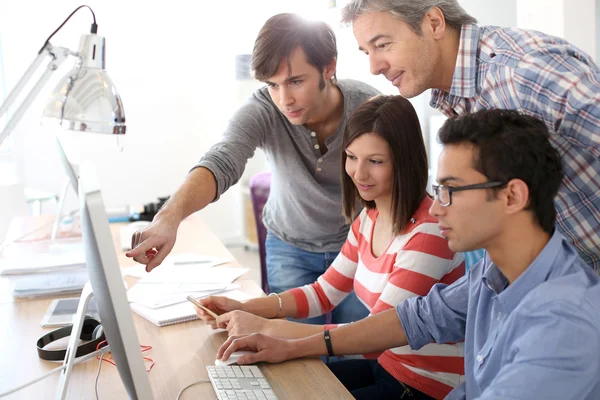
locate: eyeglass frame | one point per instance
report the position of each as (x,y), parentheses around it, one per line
(451,189)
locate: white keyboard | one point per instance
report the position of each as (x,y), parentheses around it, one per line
(240,382)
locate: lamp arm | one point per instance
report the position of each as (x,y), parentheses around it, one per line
(59,55)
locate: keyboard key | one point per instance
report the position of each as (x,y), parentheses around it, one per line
(234,382)
(256,372)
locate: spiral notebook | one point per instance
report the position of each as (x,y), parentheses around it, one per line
(169,315)
(180,312)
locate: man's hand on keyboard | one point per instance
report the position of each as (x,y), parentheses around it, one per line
(242,323)
(267,348)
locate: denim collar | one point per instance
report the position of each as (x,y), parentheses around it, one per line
(535,274)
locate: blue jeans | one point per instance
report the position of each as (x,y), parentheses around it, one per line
(289,267)
(367,380)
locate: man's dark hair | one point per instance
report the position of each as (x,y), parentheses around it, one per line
(394,119)
(510,145)
(282,34)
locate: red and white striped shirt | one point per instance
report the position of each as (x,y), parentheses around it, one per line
(414,261)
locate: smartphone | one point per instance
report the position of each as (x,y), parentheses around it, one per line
(61,312)
(197,304)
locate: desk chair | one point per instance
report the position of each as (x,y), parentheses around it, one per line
(260,187)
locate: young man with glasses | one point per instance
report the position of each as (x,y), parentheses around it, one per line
(528,313)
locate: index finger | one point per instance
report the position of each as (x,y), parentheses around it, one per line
(159,257)
(226,345)
(223,318)
(142,247)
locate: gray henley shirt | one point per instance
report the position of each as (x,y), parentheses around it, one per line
(304,207)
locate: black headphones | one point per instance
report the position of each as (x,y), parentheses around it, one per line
(91,332)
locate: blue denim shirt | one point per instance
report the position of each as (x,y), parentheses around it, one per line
(538,338)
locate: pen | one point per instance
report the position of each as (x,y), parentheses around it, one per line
(197,304)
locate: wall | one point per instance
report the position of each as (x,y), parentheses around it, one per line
(574,20)
(597,15)
(173,66)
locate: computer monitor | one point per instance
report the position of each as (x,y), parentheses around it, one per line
(70,168)
(72,172)
(109,291)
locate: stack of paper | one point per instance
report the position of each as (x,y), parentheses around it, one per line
(49,283)
(160,295)
(43,256)
(44,267)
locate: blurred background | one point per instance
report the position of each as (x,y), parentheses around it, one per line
(181,69)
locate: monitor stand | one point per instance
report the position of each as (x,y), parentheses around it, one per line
(78,318)
(72,172)
(61,205)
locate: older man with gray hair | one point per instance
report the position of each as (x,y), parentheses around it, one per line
(436,44)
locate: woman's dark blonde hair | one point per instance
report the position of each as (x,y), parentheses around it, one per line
(394,119)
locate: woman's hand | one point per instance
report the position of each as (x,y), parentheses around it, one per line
(217,304)
(267,348)
(242,323)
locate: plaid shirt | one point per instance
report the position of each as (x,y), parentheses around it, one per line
(550,79)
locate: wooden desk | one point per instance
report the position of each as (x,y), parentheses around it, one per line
(180,351)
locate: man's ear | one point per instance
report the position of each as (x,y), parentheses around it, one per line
(330,69)
(516,196)
(435,22)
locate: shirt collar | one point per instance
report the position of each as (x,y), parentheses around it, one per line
(464,80)
(535,274)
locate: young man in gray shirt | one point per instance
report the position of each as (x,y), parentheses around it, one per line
(298,120)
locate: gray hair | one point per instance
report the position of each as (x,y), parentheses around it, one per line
(409,11)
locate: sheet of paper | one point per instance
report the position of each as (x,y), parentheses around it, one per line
(187,259)
(156,295)
(192,274)
(197,259)
(236,295)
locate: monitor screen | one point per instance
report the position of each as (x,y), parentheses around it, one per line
(70,169)
(109,288)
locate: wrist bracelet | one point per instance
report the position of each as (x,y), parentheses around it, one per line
(328,343)
(280,303)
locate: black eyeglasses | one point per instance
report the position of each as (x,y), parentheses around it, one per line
(444,193)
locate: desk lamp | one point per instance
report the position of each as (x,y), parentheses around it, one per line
(84,100)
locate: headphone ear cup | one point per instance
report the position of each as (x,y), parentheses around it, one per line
(98,332)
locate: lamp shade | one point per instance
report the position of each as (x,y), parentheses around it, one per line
(86,99)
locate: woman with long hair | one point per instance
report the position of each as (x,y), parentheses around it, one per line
(394,251)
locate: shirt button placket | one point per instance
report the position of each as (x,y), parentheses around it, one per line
(316,146)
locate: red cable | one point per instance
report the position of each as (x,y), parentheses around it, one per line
(144,348)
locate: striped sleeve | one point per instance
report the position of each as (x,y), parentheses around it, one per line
(424,261)
(336,283)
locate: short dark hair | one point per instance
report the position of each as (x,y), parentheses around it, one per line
(394,119)
(510,145)
(282,34)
